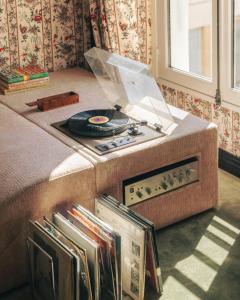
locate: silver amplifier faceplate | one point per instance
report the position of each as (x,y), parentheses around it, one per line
(169,178)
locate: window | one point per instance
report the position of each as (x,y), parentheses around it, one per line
(190,36)
(230,51)
(236,25)
(198,46)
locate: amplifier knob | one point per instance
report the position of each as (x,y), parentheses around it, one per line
(148,190)
(180,177)
(163,185)
(189,172)
(139,194)
(170,180)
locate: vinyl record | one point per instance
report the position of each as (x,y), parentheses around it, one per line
(98,123)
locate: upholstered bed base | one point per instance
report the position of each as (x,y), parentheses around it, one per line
(37,174)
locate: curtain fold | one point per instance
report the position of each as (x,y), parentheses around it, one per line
(123,27)
(56,33)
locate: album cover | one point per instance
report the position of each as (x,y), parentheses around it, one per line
(83,286)
(63,264)
(133,247)
(114,240)
(42,272)
(83,241)
(111,255)
(107,290)
(153,271)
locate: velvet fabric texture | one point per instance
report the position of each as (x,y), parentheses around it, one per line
(38,174)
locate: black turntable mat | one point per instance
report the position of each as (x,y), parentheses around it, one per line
(98,123)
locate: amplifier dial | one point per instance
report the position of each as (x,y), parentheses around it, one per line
(170,180)
(163,185)
(139,194)
(148,190)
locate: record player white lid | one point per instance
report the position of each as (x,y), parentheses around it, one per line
(129,84)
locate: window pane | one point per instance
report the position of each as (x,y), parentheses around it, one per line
(237,43)
(191,36)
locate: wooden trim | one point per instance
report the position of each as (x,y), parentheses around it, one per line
(229,163)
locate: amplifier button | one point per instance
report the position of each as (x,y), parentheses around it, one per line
(163,185)
(188,172)
(148,190)
(170,180)
(180,177)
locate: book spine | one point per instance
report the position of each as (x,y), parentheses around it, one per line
(11,77)
(23,73)
(36,70)
(9,92)
(27,84)
(31,73)
(16,85)
(40,75)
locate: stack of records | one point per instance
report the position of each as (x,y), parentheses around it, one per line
(75,254)
(22,79)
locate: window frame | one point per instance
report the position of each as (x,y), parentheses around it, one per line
(161,47)
(229,94)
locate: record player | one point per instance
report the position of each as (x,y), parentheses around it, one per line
(135,111)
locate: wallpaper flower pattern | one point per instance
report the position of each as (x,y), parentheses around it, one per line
(123,27)
(56,33)
(228,121)
(51,33)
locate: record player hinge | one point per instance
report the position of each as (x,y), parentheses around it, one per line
(117,107)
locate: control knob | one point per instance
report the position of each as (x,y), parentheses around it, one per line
(163,185)
(189,172)
(170,180)
(180,176)
(139,194)
(148,190)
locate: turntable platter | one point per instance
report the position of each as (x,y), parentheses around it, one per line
(98,123)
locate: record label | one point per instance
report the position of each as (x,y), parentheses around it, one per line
(98,120)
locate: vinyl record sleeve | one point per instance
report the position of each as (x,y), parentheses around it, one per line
(63,262)
(153,271)
(83,286)
(42,272)
(133,247)
(83,241)
(114,241)
(107,290)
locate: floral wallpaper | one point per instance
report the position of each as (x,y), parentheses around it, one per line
(228,121)
(123,27)
(56,33)
(51,33)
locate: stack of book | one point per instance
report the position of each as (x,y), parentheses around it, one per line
(22,79)
(110,255)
